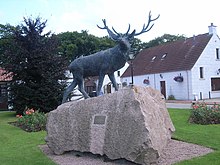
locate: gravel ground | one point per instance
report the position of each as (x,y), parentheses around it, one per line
(174,152)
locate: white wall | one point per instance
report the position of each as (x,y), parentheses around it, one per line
(192,85)
(117,78)
(180,90)
(210,64)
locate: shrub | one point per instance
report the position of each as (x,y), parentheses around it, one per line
(31,120)
(171,97)
(202,113)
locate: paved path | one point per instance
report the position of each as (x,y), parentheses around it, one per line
(179,105)
(182,104)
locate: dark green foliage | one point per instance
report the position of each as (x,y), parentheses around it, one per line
(31,55)
(163,39)
(74,44)
(136,46)
(205,114)
(171,97)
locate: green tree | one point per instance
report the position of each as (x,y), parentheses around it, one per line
(163,39)
(136,46)
(74,44)
(32,56)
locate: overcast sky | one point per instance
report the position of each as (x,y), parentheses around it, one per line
(188,17)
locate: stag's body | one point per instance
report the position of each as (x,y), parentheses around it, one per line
(103,62)
(99,64)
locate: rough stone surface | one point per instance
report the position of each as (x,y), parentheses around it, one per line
(132,123)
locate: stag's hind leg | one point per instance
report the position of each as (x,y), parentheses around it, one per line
(80,82)
(112,78)
(100,83)
(68,91)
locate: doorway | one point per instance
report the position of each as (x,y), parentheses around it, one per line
(163,88)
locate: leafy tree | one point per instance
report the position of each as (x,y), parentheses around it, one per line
(5,30)
(163,39)
(31,55)
(5,38)
(74,44)
(136,46)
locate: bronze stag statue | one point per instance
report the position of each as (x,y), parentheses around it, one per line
(104,62)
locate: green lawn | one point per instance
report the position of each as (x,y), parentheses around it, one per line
(18,147)
(206,135)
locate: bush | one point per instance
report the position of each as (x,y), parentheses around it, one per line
(171,97)
(31,120)
(202,113)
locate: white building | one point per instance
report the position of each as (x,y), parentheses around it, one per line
(186,69)
(107,86)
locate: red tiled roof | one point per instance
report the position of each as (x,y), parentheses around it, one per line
(168,57)
(3,76)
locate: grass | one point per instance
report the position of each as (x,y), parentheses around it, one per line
(18,147)
(21,148)
(205,135)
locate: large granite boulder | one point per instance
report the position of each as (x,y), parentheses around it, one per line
(132,123)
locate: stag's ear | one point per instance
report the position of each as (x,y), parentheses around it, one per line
(113,36)
(131,36)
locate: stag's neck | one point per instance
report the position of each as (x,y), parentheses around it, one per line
(118,57)
(121,51)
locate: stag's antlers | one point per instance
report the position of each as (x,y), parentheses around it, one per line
(115,35)
(111,34)
(145,28)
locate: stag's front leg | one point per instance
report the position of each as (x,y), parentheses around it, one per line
(112,78)
(101,78)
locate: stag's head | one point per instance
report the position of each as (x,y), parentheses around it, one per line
(126,39)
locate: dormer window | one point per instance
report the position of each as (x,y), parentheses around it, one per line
(152,60)
(164,56)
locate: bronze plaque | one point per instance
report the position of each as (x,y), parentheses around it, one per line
(99,119)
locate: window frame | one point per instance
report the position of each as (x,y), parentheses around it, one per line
(215,84)
(217,54)
(118,73)
(201,72)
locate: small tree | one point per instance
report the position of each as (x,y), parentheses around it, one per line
(32,57)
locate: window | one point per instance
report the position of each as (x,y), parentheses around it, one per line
(215,83)
(163,57)
(217,53)
(118,73)
(152,60)
(201,72)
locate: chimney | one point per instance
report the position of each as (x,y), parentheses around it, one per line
(212,29)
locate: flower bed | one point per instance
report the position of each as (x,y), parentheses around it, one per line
(31,120)
(202,113)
